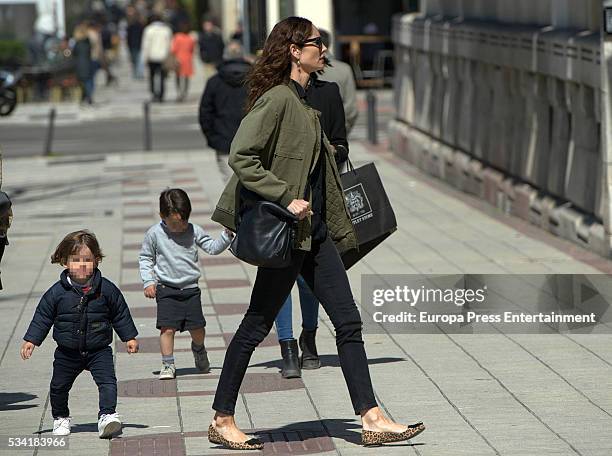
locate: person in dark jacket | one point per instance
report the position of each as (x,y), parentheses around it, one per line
(223,101)
(324,97)
(211,47)
(135,28)
(84,66)
(83,308)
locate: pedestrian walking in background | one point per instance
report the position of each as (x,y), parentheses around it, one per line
(110,46)
(84,65)
(97,51)
(143,9)
(280,154)
(325,97)
(177,16)
(342,74)
(83,308)
(211,47)
(156,41)
(135,28)
(238,32)
(170,272)
(223,102)
(183,45)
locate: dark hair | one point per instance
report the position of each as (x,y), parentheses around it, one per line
(72,243)
(325,37)
(273,67)
(184,27)
(174,201)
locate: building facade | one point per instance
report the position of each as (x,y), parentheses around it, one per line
(506,100)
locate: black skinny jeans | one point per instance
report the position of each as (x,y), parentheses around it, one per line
(324,273)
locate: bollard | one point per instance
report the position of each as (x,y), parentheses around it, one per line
(50,131)
(147,126)
(371,101)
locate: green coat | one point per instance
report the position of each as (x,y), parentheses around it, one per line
(275,147)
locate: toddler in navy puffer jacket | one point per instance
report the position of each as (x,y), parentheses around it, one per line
(83,308)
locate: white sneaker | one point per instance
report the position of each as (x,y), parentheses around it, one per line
(109,425)
(61,426)
(168,372)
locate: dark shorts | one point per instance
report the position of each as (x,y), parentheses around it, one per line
(179,309)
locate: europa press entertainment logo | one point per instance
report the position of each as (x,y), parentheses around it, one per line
(358,203)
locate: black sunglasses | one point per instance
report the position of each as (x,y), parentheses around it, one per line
(317,41)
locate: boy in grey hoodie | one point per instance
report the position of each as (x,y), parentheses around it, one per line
(170,272)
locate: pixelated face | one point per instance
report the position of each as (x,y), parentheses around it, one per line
(175,223)
(81,264)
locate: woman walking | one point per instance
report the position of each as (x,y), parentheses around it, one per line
(325,97)
(280,154)
(183,46)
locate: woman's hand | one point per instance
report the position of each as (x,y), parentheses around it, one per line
(300,208)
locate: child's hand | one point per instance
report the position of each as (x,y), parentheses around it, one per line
(26,349)
(132,346)
(229,233)
(149,292)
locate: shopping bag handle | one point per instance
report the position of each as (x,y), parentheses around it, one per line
(349,167)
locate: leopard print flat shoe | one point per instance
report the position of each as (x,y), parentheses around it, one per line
(215,437)
(372,438)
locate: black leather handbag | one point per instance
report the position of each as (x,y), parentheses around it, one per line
(265,235)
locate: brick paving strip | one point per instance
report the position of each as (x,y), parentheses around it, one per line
(297,442)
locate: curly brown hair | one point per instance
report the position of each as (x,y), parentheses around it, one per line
(72,243)
(273,67)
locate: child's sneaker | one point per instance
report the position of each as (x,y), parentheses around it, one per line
(109,425)
(201,359)
(168,372)
(61,426)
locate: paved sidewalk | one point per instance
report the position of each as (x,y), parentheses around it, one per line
(478,394)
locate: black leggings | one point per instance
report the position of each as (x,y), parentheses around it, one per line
(324,273)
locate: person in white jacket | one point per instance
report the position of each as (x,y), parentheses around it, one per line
(156,41)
